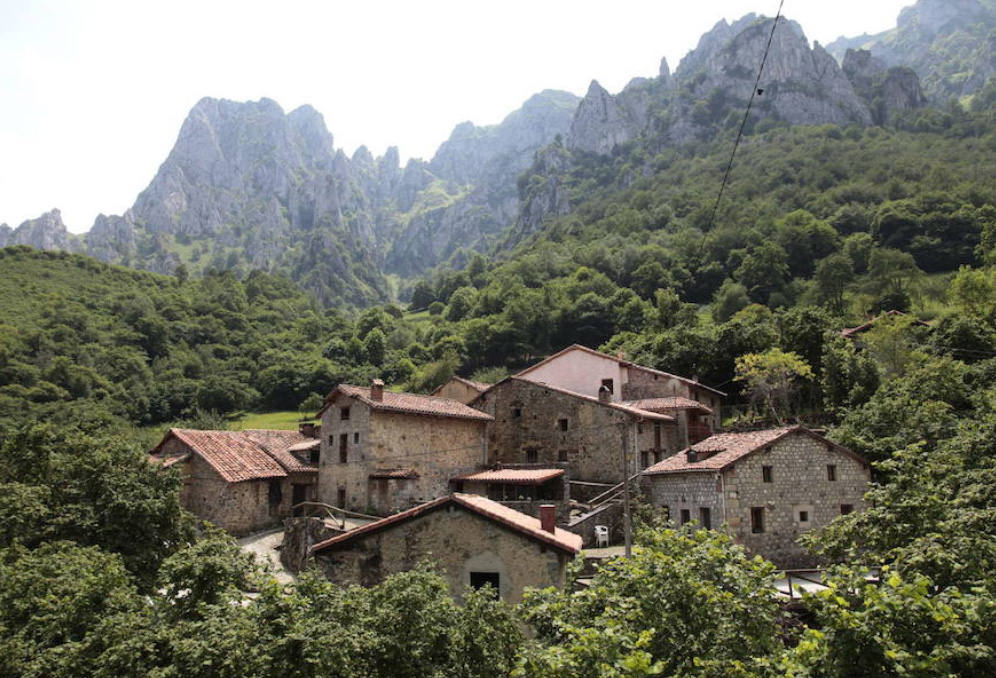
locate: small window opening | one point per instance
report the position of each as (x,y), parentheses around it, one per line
(757,519)
(478,580)
(562,455)
(803,516)
(344,414)
(341,496)
(607,383)
(705,517)
(343,448)
(315,456)
(846,508)
(275,494)
(532,456)
(516,412)
(766,474)
(356,437)
(831,472)
(686,516)
(562,424)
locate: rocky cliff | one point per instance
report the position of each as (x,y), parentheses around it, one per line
(47,232)
(886,91)
(950,44)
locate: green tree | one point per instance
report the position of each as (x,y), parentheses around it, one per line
(771,377)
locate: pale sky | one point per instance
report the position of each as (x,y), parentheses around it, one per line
(93,92)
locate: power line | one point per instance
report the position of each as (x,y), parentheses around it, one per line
(743,123)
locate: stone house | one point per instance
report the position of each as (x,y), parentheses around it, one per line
(542,425)
(765,488)
(474,541)
(460,389)
(242,481)
(582,370)
(524,489)
(382,452)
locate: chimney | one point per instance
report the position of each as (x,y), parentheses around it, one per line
(691,456)
(548,517)
(307,430)
(377,391)
(604,394)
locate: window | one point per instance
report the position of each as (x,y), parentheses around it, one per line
(562,424)
(532,456)
(315,456)
(343,414)
(831,472)
(356,437)
(562,455)
(686,516)
(766,474)
(274,493)
(607,383)
(644,459)
(478,580)
(846,508)
(757,519)
(343,448)
(516,412)
(705,517)
(803,516)
(639,428)
(341,495)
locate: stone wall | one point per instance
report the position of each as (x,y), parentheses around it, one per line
(646,384)
(527,429)
(609,514)
(798,483)
(457,390)
(238,508)
(458,542)
(690,492)
(436,448)
(300,534)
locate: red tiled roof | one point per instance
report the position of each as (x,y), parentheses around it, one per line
(851,331)
(491,510)
(723,449)
(410,403)
(668,403)
(623,363)
(242,455)
(395,474)
(514,476)
(282,446)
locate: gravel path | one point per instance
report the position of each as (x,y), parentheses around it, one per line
(264,546)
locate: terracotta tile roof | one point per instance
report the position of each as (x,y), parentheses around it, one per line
(851,331)
(623,363)
(668,403)
(242,455)
(491,510)
(290,449)
(514,476)
(410,403)
(395,474)
(723,449)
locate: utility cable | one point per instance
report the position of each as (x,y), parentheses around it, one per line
(743,123)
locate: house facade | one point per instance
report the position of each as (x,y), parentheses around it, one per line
(242,481)
(583,370)
(382,452)
(474,541)
(765,488)
(595,438)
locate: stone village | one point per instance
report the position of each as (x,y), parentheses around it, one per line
(503,484)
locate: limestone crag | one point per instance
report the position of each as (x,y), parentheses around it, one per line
(886,91)
(112,238)
(950,44)
(47,232)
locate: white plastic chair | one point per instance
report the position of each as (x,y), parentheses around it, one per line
(601,536)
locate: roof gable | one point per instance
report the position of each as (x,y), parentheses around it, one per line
(725,449)
(621,362)
(511,519)
(621,407)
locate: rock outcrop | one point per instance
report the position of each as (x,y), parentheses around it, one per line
(949,44)
(886,91)
(47,232)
